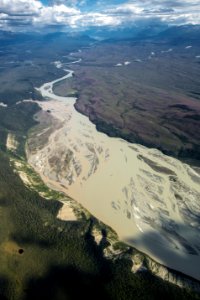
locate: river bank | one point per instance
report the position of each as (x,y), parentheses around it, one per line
(148,198)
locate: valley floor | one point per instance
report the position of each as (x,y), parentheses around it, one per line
(150,199)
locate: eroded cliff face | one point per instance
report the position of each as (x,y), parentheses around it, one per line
(151,200)
(172,277)
(114,250)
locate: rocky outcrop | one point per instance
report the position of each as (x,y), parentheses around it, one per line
(171,276)
(140,262)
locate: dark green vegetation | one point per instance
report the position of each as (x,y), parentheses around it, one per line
(16,119)
(154,101)
(65,88)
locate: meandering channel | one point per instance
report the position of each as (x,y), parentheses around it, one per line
(151,200)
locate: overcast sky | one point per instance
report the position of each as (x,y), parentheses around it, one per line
(37,14)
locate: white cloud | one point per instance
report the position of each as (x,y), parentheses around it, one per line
(32,13)
(170,11)
(57,14)
(127,8)
(22,7)
(94,19)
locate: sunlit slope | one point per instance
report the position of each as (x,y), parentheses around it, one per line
(150,199)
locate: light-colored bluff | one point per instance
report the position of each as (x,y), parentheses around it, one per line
(151,200)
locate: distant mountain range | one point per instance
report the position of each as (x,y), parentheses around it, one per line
(180,35)
(170,35)
(10,38)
